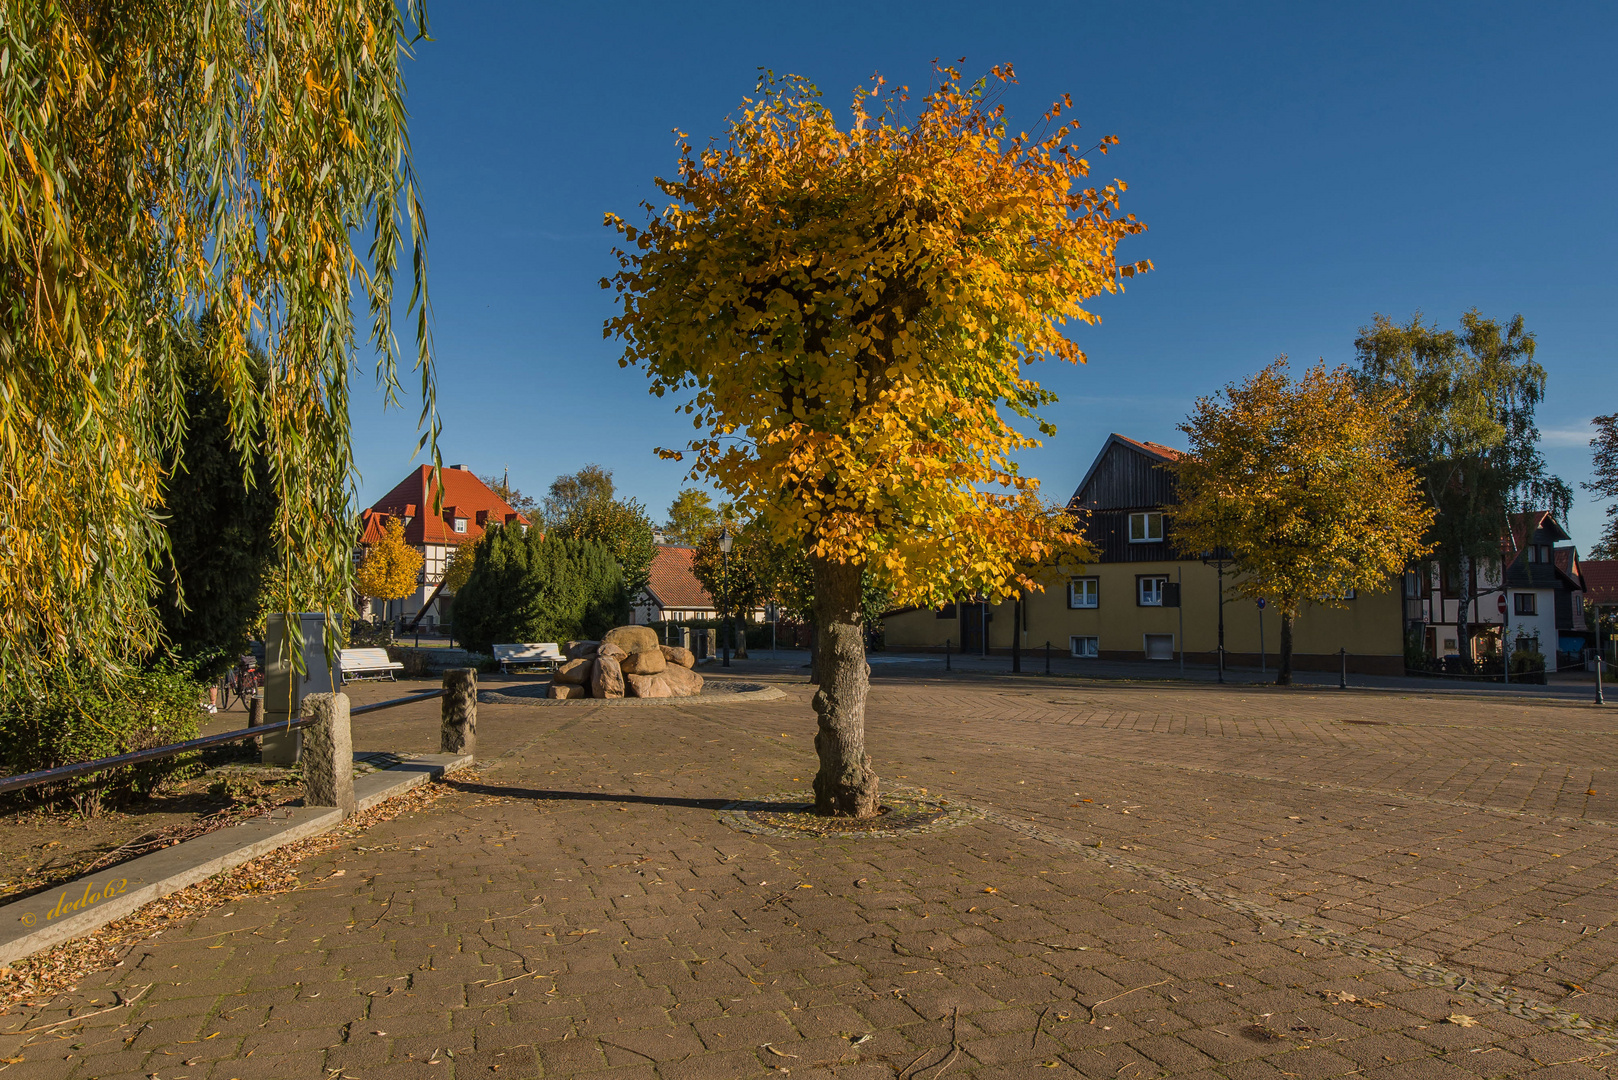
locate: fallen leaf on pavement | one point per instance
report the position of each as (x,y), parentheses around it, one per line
(1460,1020)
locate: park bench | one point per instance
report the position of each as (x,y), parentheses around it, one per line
(360,664)
(545,654)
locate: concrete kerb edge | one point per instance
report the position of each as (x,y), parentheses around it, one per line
(167,871)
(763,693)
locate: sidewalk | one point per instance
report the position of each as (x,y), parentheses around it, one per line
(1141,881)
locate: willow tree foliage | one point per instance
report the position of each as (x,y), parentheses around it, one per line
(247,162)
(850,310)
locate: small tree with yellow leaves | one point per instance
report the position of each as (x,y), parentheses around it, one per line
(1301,483)
(391,568)
(852,309)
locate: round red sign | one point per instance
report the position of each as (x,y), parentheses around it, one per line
(1502,603)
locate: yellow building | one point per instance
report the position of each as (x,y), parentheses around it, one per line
(1142,600)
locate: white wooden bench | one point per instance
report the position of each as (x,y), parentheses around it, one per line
(545,654)
(357,664)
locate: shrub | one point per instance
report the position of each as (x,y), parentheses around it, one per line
(80,716)
(529,587)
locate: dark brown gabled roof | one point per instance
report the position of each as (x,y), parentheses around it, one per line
(1163,454)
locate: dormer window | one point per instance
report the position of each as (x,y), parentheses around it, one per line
(1145,528)
(460,525)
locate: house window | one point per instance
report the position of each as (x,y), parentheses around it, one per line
(1087,648)
(1525,603)
(1150,591)
(1084,592)
(1145,528)
(460,525)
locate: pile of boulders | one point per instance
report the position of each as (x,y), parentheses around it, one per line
(626,662)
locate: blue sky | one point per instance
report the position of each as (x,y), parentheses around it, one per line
(1300,166)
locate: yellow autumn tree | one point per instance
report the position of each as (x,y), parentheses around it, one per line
(391,568)
(1301,483)
(850,310)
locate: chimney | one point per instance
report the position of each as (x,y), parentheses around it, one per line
(463,468)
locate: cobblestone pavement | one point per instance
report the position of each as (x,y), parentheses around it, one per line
(1140,882)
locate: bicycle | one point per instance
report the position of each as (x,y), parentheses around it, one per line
(242,681)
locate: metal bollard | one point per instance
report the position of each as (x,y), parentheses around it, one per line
(328,753)
(1047,658)
(1342,676)
(458,725)
(946,654)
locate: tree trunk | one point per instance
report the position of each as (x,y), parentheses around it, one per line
(845,786)
(814,652)
(1283,675)
(1463,629)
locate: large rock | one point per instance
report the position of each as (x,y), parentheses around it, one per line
(651,686)
(579,649)
(575,672)
(676,655)
(644,663)
(563,691)
(609,651)
(606,679)
(683,681)
(632,639)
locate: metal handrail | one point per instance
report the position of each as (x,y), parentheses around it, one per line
(159,753)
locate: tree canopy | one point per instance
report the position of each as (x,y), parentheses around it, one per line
(691,515)
(219,526)
(247,162)
(1466,426)
(1301,482)
(390,568)
(529,586)
(846,313)
(572,491)
(513,496)
(1604,483)
(850,310)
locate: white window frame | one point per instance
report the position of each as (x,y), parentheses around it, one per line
(1084,647)
(460,525)
(1157,590)
(1077,602)
(1146,518)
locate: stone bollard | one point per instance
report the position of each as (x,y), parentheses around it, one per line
(711,649)
(685,638)
(328,753)
(458,731)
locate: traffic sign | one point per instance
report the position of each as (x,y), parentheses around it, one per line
(1502,603)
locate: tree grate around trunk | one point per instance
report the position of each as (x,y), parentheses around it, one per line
(902,814)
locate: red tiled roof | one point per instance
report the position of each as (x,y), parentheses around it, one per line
(672,582)
(1151,447)
(464,495)
(1600,580)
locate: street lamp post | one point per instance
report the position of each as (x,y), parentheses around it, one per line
(1218,561)
(725,541)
